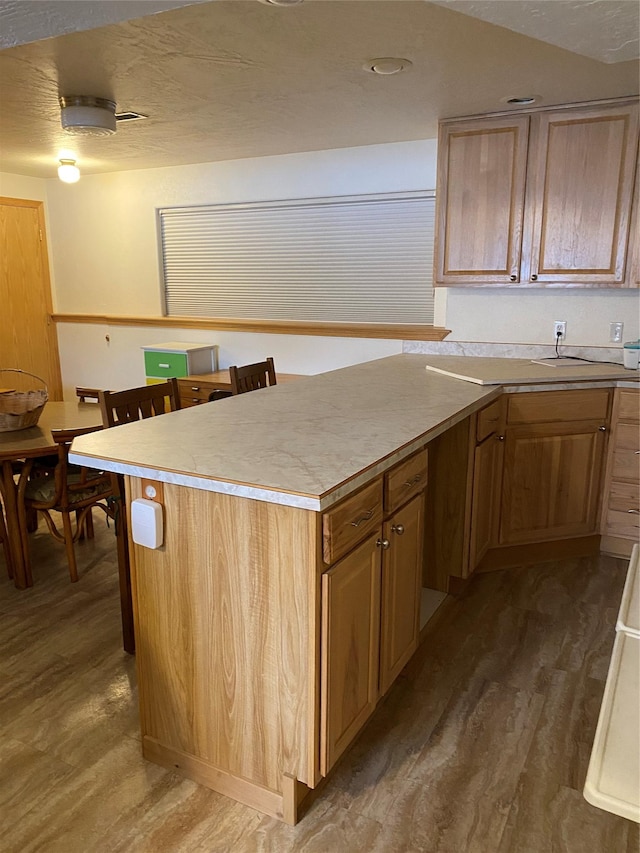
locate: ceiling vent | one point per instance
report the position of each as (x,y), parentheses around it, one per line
(129,115)
(82,115)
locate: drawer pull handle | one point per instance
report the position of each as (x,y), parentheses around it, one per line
(194,388)
(398,528)
(602,429)
(637,452)
(413,480)
(367,515)
(384,544)
(164,365)
(634,511)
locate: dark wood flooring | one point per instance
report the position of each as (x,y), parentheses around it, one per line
(481,746)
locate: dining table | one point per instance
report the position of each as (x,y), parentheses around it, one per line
(33,442)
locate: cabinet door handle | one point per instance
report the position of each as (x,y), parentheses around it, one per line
(413,481)
(384,544)
(500,437)
(397,528)
(513,278)
(534,277)
(367,515)
(634,511)
(602,429)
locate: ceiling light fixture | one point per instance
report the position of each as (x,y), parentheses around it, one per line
(387,65)
(68,171)
(87,116)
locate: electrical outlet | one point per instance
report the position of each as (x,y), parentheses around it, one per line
(560,329)
(615,332)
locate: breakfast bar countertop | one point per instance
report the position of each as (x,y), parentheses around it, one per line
(309,443)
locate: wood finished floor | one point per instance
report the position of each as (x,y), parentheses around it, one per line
(481,746)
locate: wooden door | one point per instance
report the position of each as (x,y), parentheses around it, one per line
(480,198)
(579,197)
(401,586)
(28,337)
(350,648)
(487,476)
(551,480)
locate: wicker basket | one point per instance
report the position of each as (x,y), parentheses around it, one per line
(20,409)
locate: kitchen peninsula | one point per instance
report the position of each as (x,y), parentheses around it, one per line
(284,599)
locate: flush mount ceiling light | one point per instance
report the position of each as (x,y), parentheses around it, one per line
(68,171)
(83,115)
(387,65)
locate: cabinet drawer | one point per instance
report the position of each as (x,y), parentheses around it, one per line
(488,420)
(626,453)
(545,406)
(624,497)
(405,480)
(194,392)
(623,524)
(629,406)
(350,521)
(165,363)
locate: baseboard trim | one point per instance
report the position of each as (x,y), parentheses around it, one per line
(509,556)
(616,546)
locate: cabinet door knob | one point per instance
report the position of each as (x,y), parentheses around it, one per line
(513,278)
(384,544)
(398,528)
(534,277)
(500,437)
(602,429)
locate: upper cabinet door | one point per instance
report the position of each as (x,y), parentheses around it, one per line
(480,198)
(582,166)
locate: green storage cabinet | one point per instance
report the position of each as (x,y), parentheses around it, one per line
(162,361)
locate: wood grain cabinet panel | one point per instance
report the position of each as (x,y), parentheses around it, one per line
(405,480)
(620,524)
(350,648)
(487,475)
(551,482)
(481,186)
(539,199)
(582,185)
(401,584)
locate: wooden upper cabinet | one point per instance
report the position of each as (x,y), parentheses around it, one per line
(538,200)
(579,202)
(481,186)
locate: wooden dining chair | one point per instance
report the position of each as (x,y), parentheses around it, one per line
(70,490)
(134,404)
(121,407)
(250,377)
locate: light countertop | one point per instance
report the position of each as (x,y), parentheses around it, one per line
(521,371)
(310,442)
(305,444)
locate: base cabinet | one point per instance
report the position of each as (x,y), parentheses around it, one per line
(350,648)
(370,601)
(401,586)
(551,482)
(487,471)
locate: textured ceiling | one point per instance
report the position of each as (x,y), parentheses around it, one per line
(607,30)
(227,80)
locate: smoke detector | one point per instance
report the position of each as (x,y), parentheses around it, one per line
(82,115)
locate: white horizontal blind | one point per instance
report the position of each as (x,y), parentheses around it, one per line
(365,259)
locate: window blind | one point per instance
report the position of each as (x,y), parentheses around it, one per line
(342,259)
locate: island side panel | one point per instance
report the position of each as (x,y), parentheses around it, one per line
(225,635)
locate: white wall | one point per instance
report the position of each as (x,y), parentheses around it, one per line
(104,238)
(103,241)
